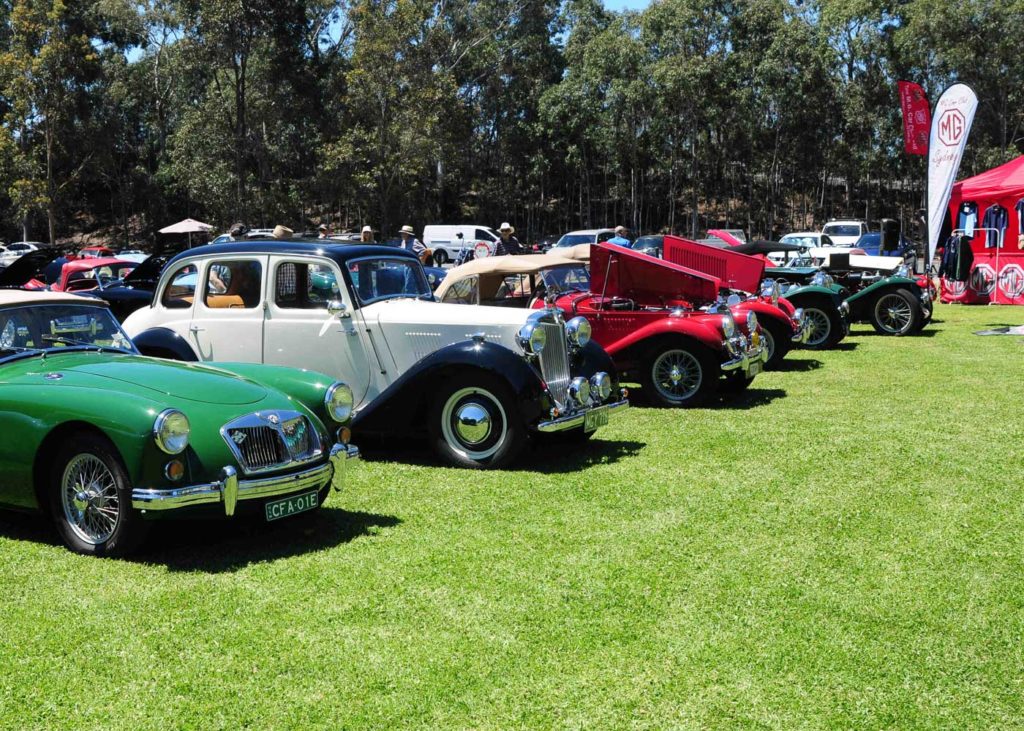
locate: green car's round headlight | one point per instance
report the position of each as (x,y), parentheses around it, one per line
(578,331)
(338,401)
(751,322)
(171,430)
(728,326)
(532,338)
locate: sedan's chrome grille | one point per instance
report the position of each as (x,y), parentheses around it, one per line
(271,440)
(554,362)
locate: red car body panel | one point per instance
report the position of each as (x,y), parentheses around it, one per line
(83,265)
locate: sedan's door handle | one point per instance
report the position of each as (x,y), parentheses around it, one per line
(195,328)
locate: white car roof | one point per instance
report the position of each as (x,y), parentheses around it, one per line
(803,233)
(590,231)
(13,297)
(844,222)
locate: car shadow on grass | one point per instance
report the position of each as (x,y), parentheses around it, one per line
(553,456)
(749,399)
(844,347)
(221,545)
(928,332)
(798,365)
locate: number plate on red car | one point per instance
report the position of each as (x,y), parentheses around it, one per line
(595,418)
(291,505)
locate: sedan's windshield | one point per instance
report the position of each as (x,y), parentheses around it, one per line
(842,230)
(51,328)
(574,239)
(384,278)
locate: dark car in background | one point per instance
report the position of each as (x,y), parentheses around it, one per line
(871,244)
(652,245)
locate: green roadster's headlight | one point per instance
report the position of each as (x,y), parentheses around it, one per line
(338,401)
(578,331)
(171,430)
(728,326)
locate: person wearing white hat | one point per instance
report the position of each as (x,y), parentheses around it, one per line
(507,244)
(410,242)
(282,232)
(366,236)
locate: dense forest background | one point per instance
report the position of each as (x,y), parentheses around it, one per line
(120,117)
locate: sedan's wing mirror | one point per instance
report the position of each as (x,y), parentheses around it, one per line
(337,308)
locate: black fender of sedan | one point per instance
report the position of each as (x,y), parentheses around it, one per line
(160,342)
(403,406)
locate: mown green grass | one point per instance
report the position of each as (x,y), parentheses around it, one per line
(841,547)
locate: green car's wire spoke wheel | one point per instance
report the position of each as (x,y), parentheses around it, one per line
(895,313)
(819,326)
(89,497)
(677,375)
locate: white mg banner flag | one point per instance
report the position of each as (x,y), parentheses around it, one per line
(951,123)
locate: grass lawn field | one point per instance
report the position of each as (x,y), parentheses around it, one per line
(841,547)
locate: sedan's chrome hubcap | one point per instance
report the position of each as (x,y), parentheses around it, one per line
(473,423)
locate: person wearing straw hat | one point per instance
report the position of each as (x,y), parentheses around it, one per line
(282,232)
(366,235)
(507,244)
(410,242)
(325,231)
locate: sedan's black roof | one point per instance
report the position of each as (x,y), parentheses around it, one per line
(339,252)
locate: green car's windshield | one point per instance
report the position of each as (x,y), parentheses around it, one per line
(52,328)
(386,278)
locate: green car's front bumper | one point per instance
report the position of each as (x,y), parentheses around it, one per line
(229,489)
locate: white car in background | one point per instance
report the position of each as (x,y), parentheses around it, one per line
(12,252)
(447,242)
(806,239)
(584,236)
(845,232)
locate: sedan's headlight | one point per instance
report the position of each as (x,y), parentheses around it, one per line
(532,338)
(579,390)
(578,331)
(728,326)
(339,401)
(171,430)
(601,385)
(751,322)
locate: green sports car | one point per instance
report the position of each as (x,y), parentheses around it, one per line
(104,439)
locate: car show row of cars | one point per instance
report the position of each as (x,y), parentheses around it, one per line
(236,378)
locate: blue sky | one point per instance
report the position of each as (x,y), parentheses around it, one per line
(626,4)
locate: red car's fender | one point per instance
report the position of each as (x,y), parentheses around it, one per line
(764,310)
(702,328)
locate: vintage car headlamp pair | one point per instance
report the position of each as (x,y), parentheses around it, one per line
(532,338)
(751,322)
(821,279)
(171,431)
(728,326)
(578,331)
(339,401)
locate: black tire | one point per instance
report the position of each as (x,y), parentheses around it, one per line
(777,341)
(497,445)
(895,312)
(440,257)
(97,518)
(695,386)
(826,325)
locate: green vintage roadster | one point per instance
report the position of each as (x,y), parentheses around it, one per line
(104,439)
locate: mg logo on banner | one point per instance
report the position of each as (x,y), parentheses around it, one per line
(951,124)
(951,127)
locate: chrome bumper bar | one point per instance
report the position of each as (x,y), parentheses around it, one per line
(803,331)
(229,489)
(576,419)
(743,362)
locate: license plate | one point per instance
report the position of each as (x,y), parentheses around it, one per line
(291,505)
(595,418)
(755,368)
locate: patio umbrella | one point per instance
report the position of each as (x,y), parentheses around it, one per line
(188,226)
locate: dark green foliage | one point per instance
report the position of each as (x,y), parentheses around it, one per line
(767,115)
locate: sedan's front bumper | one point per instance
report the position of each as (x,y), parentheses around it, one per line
(577,419)
(229,489)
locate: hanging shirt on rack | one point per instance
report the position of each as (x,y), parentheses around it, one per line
(1020,216)
(995,217)
(968,218)
(957,259)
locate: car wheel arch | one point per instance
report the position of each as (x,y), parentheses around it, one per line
(49,447)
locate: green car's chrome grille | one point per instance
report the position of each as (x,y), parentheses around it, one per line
(271,440)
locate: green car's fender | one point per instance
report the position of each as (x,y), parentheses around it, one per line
(308,387)
(861,302)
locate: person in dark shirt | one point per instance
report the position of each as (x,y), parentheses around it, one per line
(507,244)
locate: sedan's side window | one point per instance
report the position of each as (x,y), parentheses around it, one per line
(304,286)
(182,288)
(233,284)
(462,292)
(605,236)
(482,235)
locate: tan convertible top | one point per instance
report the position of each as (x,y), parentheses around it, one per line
(493,269)
(14,297)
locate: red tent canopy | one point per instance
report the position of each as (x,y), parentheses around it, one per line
(998,274)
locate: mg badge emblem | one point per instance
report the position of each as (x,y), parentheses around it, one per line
(983,279)
(274,419)
(951,127)
(1011,280)
(238,437)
